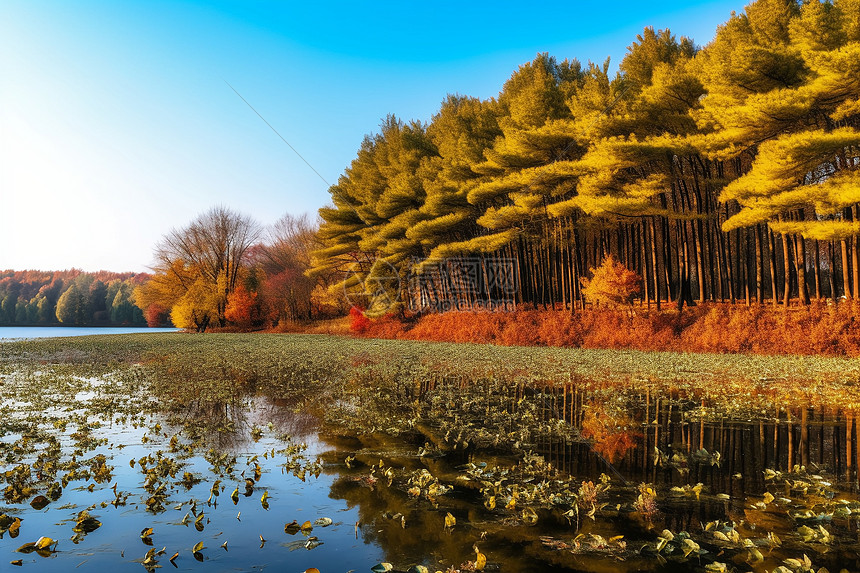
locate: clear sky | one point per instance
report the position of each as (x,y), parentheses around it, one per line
(116,123)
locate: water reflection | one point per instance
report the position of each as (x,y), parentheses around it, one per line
(748,491)
(752,492)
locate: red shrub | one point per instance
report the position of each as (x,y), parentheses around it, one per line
(358,321)
(155,315)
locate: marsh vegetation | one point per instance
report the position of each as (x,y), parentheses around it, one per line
(246,451)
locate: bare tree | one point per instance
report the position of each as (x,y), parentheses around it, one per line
(209,252)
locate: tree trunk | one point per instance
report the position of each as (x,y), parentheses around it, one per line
(832,274)
(759,280)
(855,266)
(846,281)
(667,258)
(700,265)
(800,265)
(685,294)
(654,263)
(817,260)
(786,254)
(772,265)
(718,244)
(643,231)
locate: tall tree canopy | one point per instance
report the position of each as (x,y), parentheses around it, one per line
(717,173)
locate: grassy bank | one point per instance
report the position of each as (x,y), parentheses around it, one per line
(285,363)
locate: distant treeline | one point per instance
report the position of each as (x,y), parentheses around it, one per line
(70,297)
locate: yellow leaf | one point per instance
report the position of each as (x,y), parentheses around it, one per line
(27,548)
(530,517)
(480,561)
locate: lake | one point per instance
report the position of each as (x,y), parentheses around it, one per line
(19,332)
(431,457)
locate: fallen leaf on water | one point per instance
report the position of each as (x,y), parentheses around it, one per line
(86,523)
(480,560)
(530,516)
(292,527)
(39,502)
(42,546)
(149,557)
(688,546)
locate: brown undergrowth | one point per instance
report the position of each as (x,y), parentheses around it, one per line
(818,329)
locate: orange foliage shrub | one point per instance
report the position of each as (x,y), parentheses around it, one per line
(459,326)
(242,308)
(611,284)
(383,327)
(817,329)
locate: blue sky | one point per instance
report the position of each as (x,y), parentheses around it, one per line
(116,123)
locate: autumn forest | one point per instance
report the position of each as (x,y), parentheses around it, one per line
(727,173)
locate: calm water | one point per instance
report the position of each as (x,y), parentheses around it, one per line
(117,544)
(19,332)
(753,494)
